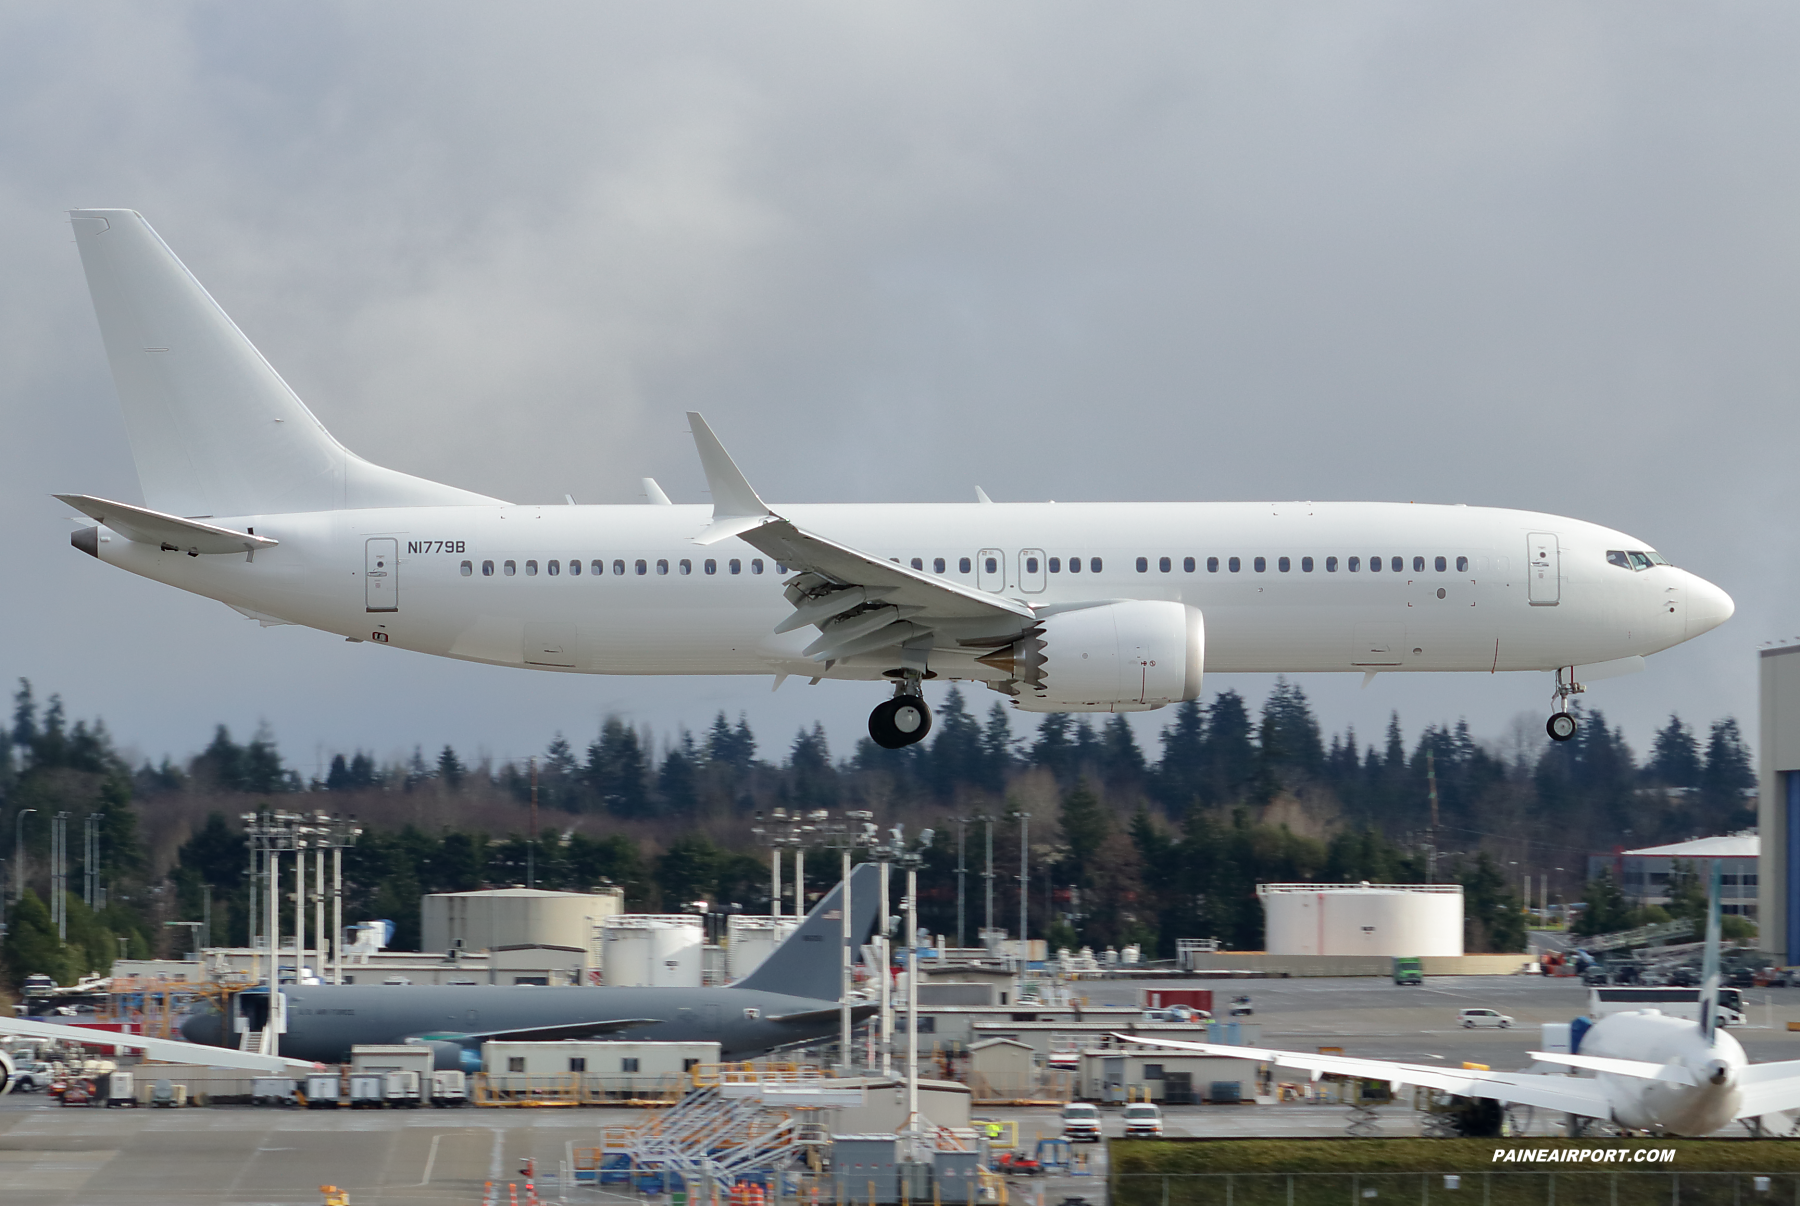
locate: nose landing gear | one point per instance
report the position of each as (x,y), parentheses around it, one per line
(1562,724)
(902,720)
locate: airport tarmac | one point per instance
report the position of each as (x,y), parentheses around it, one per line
(243,1156)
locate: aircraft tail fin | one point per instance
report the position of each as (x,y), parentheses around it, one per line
(214,430)
(1709,965)
(809,962)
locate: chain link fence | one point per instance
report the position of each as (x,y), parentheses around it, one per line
(1479,1188)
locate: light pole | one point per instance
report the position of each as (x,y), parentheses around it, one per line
(988,877)
(1024,888)
(857,829)
(18,867)
(910,860)
(961,876)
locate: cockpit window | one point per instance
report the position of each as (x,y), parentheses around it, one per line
(1634,559)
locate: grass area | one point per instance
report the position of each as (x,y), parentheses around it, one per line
(1354,1172)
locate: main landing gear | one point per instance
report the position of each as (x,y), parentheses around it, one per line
(903,719)
(1562,725)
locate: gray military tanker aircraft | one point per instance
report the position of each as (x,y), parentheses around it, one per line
(792,999)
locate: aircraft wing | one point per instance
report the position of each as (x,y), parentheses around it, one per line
(170,1050)
(169,532)
(857,1014)
(858,601)
(1769,1088)
(1565,1094)
(550,1034)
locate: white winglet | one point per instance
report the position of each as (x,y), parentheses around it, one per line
(736,508)
(655,494)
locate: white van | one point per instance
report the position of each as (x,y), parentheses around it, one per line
(1143,1120)
(1081,1122)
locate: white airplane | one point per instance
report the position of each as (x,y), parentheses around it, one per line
(166,1050)
(1106,607)
(1652,1072)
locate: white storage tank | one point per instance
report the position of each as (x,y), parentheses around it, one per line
(480,921)
(652,950)
(1362,919)
(750,940)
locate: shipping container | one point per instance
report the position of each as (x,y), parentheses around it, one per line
(1193,998)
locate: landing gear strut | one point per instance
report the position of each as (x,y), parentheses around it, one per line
(1561,726)
(903,719)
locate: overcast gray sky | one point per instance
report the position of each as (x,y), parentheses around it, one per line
(1523,254)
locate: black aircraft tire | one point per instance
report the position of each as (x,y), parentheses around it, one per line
(1560,726)
(899,722)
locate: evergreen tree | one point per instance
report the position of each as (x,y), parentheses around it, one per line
(32,947)
(1492,920)
(1605,911)
(677,782)
(1181,774)
(996,750)
(1085,826)
(1232,753)
(450,769)
(813,777)
(1675,755)
(1121,762)
(956,756)
(616,771)
(1054,748)
(1729,776)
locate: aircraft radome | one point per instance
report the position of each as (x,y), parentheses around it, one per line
(1063,607)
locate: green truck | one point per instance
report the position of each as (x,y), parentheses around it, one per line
(1408,970)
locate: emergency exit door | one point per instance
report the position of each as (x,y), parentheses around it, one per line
(1543,564)
(381,586)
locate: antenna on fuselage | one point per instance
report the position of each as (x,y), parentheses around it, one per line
(1709,962)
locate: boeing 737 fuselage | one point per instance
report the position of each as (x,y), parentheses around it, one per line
(1058,606)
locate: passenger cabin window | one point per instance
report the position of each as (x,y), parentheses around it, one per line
(1143,564)
(1462,565)
(990,565)
(1284,565)
(686,566)
(662,565)
(1031,565)
(962,565)
(756,566)
(1074,565)
(918,563)
(530,569)
(1234,565)
(1398,564)
(1163,564)
(710,566)
(1353,564)
(468,567)
(641,566)
(575,568)
(1093,565)
(598,568)
(735,566)
(555,568)
(1438,565)
(1212,565)
(1374,565)
(1261,564)
(511,568)
(1331,565)
(1056,565)
(619,568)
(1187,565)
(1306,565)
(937,565)
(487,569)
(1418,565)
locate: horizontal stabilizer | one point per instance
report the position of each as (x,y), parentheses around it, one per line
(169,1050)
(169,532)
(813,1017)
(1642,1069)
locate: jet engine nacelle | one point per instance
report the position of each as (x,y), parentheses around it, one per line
(1116,657)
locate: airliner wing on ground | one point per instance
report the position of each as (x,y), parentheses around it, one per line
(1090,607)
(1651,1072)
(167,1050)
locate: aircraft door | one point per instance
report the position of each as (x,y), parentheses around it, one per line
(990,570)
(381,583)
(1543,560)
(1031,570)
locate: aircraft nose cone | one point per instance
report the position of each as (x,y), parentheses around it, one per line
(1707,606)
(207,1028)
